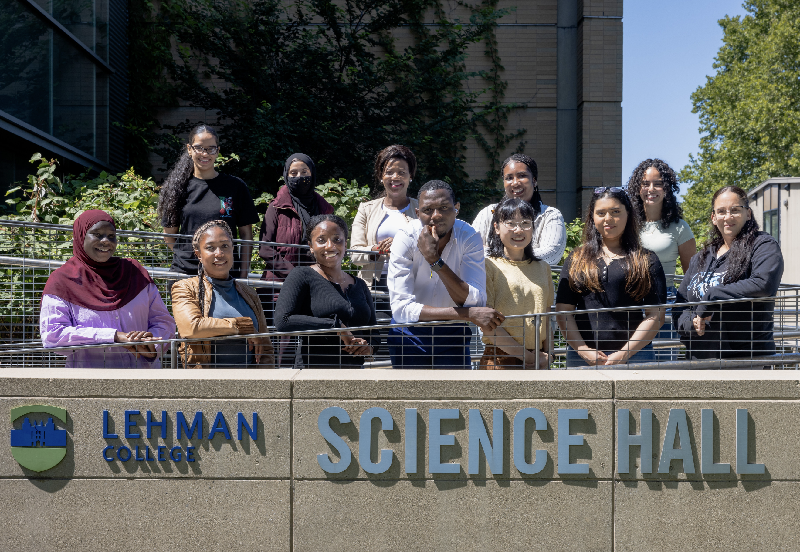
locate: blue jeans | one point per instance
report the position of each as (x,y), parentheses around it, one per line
(576,362)
(444,347)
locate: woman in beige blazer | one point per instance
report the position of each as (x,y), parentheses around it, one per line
(377,221)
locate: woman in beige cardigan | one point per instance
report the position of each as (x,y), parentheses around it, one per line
(378,221)
(219,307)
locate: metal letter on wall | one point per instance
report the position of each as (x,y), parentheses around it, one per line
(565,440)
(676,426)
(345,455)
(742,423)
(492,448)
(707,464)
(436,440)
(385,456)
(644,440)
(540,456)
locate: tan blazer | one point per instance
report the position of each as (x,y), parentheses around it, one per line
(365,229)
(193,324)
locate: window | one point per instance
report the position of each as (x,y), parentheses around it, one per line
(771,224)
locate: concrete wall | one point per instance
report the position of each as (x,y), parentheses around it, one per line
(270,493)
(782,193)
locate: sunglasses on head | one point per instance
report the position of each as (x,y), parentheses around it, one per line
(604,189)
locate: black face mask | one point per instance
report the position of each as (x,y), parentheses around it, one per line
(299,185)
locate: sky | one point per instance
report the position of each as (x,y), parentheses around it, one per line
(668,50)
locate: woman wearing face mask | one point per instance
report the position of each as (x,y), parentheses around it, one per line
(323,296)
(549,233)
(286,220)
(214,305)
(378,221)
(194,193)
(610,269)
(516,283)
(738,261)
(98,298)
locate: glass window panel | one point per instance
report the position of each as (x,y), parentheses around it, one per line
(86,19)
(25,70)
(771,223)
(773,197)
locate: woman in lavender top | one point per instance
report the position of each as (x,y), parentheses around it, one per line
(98,298)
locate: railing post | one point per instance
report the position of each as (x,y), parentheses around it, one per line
(173,354)
(536,337)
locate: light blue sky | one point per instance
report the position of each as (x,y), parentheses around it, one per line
(668,50)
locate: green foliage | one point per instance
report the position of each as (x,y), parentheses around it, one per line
(574,237)
(345,197)
(40,201)
(750,110)
(327,79)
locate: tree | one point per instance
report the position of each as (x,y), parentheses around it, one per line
(329,79)
(750,110)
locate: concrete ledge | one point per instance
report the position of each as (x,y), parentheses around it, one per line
(201,384)
(706,384)
(452,384)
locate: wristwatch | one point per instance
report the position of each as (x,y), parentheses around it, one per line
(437,266)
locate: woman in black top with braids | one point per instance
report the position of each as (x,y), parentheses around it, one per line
(323,296)
(194,193)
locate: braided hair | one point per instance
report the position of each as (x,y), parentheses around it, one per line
(196,246)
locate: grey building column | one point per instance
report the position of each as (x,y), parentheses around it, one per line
(567,110)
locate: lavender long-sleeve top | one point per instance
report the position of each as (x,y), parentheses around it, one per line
(62,324)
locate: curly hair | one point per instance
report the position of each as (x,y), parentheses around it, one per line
(741,250)
(201,292)
(583,273)
(505,210)
(536,199)
(670,209)
(395,151)
(174,189)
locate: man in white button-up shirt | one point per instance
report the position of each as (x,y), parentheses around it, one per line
(436,272)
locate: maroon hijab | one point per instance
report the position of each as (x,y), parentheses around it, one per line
(97,286)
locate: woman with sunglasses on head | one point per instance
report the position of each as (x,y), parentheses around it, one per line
(519,180)
(194,193)
(653,189)
(324,297)
(610,269)
(738,261)
(517,283)
(378,221)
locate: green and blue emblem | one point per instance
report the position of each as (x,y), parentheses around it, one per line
(38,446)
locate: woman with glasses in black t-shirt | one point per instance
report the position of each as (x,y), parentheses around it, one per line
(194,193)
(611,269)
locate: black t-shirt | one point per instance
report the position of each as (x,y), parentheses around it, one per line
(224,197)
(609,331)
(310,302)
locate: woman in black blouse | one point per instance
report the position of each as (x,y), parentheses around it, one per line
(323,296)
(610,269)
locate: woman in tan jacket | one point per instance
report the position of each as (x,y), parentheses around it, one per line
(220,307)
(378,221)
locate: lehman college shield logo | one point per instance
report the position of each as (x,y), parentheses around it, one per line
(38,446)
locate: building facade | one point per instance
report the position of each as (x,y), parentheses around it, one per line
(63,84)
(773,203)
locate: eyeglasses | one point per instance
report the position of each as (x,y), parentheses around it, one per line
(524,225)
(657,184)
(735,211)
(604,189)
(211,150)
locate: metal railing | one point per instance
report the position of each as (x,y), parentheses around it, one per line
(29,252)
